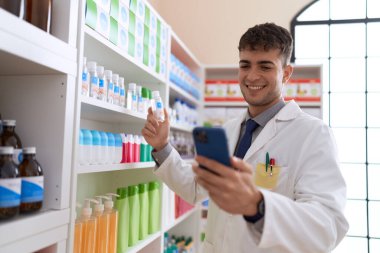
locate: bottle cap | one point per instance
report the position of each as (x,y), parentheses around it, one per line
(108,203)
(91,65)
(137,139)
(87,210)
(100,70)
(122,192)
(132,86)
(6,150)
(9,122)
(95,138)
(121,80)
(111,139)
(115,78)
(143,187)
(154,185)
(139,89)
(149,94)
(103,139)
(144,92)
(155,93)
(133,190)
(29,150)
(87,137)
(99,207)
(108,74)
(118,140)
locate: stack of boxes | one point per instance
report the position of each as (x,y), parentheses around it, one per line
(134,27)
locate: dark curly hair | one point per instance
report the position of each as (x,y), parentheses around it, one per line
(266,37)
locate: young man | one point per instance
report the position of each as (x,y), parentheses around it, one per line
(295,205)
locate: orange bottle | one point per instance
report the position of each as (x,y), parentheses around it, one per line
(102,227)
(89,228)
(112,222)
(78,233)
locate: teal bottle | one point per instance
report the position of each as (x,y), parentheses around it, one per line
(144,150)
(134,214)
(144,210)
(122,206)
(154,207)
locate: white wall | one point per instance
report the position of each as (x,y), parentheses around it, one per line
(212,28)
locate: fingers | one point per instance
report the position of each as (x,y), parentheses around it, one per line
(214,166)
(167,118)
(240,165)
(206,178)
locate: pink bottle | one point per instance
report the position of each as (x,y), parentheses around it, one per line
(136,147)
(130,154)
(124,151)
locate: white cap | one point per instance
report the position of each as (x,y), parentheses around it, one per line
(100,69)
(155,93)
(108,204)
(87,210)
(137,139)
(29,150)
(108,74)
(139,89)
(132,86)
(91,65)
(121,80)
(130,138)
(99,207)
(115,78)
(9,122)
(6,150)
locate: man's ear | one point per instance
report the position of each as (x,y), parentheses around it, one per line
(288,71)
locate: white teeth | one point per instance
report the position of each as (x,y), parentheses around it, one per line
(255,87)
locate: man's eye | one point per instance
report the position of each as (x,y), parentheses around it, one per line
(244,66)
(265,68)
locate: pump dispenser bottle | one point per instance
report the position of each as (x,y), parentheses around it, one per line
(113,216)
(102,227)
(89,227)
(122,206)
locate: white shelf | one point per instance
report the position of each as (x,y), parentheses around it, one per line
(176,91)
(103,51)
(32,232)
(143,243)
(80,169)
(183,128)
(98,110)
(27,50)
(226,104)
(182,218)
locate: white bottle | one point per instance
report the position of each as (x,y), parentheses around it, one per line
(102,84)
(81,155)
(116,89)
(132,89)
(118,148)
(85,79)
(96,147)
(122,92)
(109,85)
(140,102)
(111,148)
(87,149)
(104,147)
(94,80)
(158,107)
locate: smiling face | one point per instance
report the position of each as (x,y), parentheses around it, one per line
(262,74)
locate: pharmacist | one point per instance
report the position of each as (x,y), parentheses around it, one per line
(286,192)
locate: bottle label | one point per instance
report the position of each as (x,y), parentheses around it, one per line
(32,189)
(101,84)
(159,105)
(85,85)
(94,86)
(10,191)
(116,90)
(17,156)
(84,77)
(122,92)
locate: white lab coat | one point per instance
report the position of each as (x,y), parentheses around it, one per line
(303,214)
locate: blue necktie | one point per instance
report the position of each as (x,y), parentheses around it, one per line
(246,140)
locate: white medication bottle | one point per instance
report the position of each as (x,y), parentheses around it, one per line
(132,93)
(158,108)
(122,92)
(104,147)
(86,151)
(109,85)
(85,79)
(140,103)
(111,148)
(96,146)
(118,148)
(102,84)
(94,80)
(116,89)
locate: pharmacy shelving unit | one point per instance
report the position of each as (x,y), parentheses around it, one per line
(37,88)
(90,113)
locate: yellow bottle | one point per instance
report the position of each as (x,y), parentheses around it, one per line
(89,228)
(113,221)
(78,236)
(102,227)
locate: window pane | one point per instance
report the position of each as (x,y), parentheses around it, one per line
(374,145)
(355,177)
(373,39)
(347,40)
(318,11)
(373,113)
(373,69)
(351,144)
(348,9)
(352,244)
(347,110)
(312,41)
(347,75)
(356,214)
(373,10)
(374,245)
(374,218)
(373,182)
(326,108)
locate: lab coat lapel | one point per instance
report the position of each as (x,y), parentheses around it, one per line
(233,131)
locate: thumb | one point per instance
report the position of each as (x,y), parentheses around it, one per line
(167,118)
(240,165)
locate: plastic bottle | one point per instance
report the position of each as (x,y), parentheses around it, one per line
(102,232)
(118,148)
(158,107)
(78,236)
(109,85)
(112,222)
(87,147)
(32,182)
(154,207)
(136,148)
(111,148)
(132,103)
(81,154)
(96,147)
(140,102)
(130,158)
(134,214)
(144,210)
(145,99)
(85,91)
(122,206)
(104,147)
(143,150)
(116,89)
(102,92)
(94,80)
(122,92)
(10,184)
(10,138)
(89,227)
(124,152)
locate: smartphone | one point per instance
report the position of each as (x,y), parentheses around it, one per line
(212,143)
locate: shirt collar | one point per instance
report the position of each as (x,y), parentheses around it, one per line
(263,118)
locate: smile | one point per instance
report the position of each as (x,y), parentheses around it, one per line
(254,87)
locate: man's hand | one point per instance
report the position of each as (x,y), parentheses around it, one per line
(231,189)
(155,132)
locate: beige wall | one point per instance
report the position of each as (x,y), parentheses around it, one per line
(211,29)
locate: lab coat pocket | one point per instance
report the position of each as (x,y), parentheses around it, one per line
(207,247)
(272,178)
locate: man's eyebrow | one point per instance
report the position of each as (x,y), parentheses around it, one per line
(265,62)
(244,61)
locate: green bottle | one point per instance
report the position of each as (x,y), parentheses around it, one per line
(143,150)
(144,210)
(134,214)
(154,207)
(122,206)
